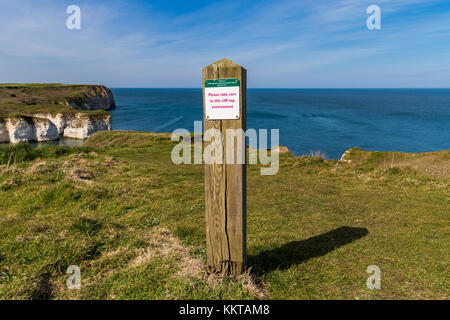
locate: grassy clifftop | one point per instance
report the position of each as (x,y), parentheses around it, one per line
(134,223)
(29,99)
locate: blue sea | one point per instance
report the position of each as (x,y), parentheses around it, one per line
(329,120)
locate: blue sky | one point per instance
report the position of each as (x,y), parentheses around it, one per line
(283,44)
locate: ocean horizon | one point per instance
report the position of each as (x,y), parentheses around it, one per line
(327,120)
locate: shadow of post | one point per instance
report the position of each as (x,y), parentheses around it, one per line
(296,252)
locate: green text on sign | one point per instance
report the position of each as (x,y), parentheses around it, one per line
(222,83)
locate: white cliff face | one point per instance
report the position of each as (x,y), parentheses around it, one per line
(24,129)
(45,130)
(59,120)
(78,126)
(20,130)
(81,127)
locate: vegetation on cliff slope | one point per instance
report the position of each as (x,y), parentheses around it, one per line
(134,222)
(29,99)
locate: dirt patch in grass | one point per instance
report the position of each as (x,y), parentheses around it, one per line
(44,288)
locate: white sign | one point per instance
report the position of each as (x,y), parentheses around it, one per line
(222,99)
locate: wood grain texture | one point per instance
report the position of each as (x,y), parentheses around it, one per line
(225,185)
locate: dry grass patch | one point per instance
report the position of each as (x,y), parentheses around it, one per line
(165,246)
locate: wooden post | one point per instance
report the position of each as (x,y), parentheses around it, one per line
(225,184)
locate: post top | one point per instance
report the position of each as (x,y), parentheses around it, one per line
(224,62)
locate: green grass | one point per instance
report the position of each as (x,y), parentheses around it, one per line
(12,110)
(11,154)
(134,223)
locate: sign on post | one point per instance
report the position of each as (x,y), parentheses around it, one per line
(225,109)
(222,99)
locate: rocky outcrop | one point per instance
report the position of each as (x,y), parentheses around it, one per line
(59,120)
(280,149)
(78,125)
(346,156)
(41,128)
(97,98)
(81,127)
(24,129)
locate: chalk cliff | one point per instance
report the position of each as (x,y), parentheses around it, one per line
(46,112)
(78,125)
(81,127)
(24,129)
